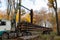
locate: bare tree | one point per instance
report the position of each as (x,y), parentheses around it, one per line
(53,3)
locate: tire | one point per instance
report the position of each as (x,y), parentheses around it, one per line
(5,36)
(29,33)
(26,34)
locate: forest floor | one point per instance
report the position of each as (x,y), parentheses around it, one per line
(51,36)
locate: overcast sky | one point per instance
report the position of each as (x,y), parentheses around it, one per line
(35,4)
(3,4)
(31,4)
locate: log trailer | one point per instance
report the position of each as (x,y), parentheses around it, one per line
(9,28)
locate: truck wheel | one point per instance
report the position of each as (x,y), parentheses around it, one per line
(26,34)
(5,36)
(29,33)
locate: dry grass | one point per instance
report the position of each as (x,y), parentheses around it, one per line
(52,36)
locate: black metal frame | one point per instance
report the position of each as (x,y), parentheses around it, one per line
(31,13)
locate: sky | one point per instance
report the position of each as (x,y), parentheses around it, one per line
(31,4)
(35,4)
(3,5)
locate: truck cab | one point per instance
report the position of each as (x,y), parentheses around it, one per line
(5,26)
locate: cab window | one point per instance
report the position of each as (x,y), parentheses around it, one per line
(2,23)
